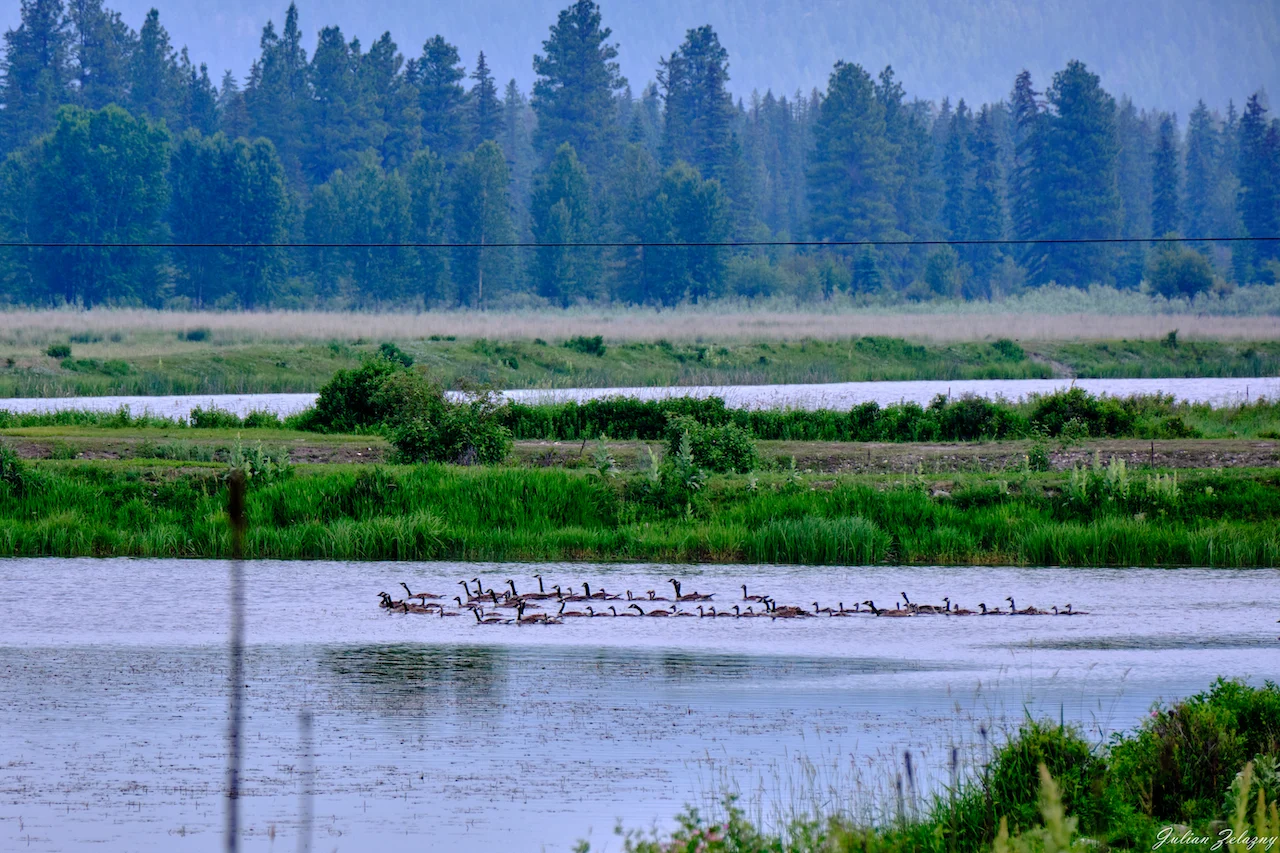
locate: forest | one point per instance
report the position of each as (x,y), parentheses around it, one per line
(112,136)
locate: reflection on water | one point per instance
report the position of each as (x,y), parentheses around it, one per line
(112,704)
(835,395)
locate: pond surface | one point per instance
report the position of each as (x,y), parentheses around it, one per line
(839,395)
(440,733)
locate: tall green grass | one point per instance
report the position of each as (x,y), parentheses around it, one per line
(73,508)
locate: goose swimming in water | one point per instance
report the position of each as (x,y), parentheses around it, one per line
(746,597)
(989,612)
(562,613)
(658,612)
(878,612)
(614,611)
(422,596)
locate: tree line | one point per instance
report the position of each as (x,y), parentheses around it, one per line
(113,136)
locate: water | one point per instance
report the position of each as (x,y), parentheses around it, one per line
(839,395)
(526,738)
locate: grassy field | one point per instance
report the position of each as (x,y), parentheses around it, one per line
(1086,517)
(228,355)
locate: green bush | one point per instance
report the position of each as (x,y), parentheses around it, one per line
(971,418)
(723,449)
(1177,272)
(351,402)
(393,353)
(587,346)
(12,471)
(262,420)
(195,335)
(214,418)
(673,486)
(467,433)
(58,351)
(1104,416)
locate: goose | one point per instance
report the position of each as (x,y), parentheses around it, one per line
(817,610)
(993,612)
(641,612)
(746,597)
(466,590)
(562,613)
(790,612)
(653,596)
(601,595)
(684,613)
(487,620)
(675,585)
(878,612)
(384,600)
(840,612)
(738,613)
(539,577)
(957,610)
(696,596)
(614,611)
(1067,611)
(423,596)
(470,604)
(1028,611)
(921,608)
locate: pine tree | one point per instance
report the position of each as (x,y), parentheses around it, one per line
(699,116)
(154,79)
(101,49)
(438,78)
(486,109)
(428,212)
(920,191)
(233,114)
(957,174)
(1257,170)
(573,94)
(481,218)
(278,95)
(1135,134)
(1075,178)
(36,72)
(686,209)
(335,129)
(632,185)
(561,208)
(852,176)
(389,103)
(1027,135)
(1166,215)
(199,105)
(1202,171)
(517,145)
(985,206)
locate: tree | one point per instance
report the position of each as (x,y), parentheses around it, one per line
(198,107)
(233,114)
(686,209)
(919,197)
(517,145)
(153,76)
(1075,178)
(956,170)
(98,178)
(561,207)
(631,187)
(573,95)
(698,121)
(101,50)
(486,109)
(278,95)
(438,78)
(336,128)
(482,217)
(1259,162)
(1179,272)
(36,72)
(227,191)
(424,177)
(1024,215)
(390,103)
(1166,215)
(985,206)
(852,178)
(1202,170)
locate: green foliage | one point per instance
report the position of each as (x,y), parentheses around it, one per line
(260,467)
(393,353)
(1179,273)
(58,351)
(467,433)
(586,345)
(1101,416)
(724,448)
(12,471)
(214,418)
(350,402)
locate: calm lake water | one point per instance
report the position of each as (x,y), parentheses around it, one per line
(442,733)
(839,395)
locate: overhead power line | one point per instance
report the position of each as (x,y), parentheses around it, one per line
(622,244)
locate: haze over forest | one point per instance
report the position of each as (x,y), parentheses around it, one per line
(333,137)
(1164,54)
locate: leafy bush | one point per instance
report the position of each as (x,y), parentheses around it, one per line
(1178,272)
(350,401)
(673,486)
(587,346)
(58,351)
(259,465)
(723,448)
(214,418)
(971,418)
(393,353)
(261,420)
(1103,416)
(1008,350)
(195,335)
(116,367)
(467,433)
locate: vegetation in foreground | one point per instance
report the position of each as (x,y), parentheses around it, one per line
(1205,767)
(200,360)
(672,510)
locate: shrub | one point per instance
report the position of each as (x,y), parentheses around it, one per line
(12,471)
(259,465)
(587,346)
(350,401)
(723,448)
(214,418)
(58,351)
(465,434)
(262,420)
(1178,272)
(393,353)
(973,417)
(1008,350)
(195,335)
(1103,416)
(116,367)
(673,486)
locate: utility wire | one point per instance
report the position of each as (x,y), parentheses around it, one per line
(16,244)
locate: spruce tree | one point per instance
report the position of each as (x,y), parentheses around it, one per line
(517,144)
(1166,215)
(1201,171)
(481,218)
(957,174)
(920,190)
(573,94)
(1135,133)
(424,177)
(1075,179)
(389,103)
(699,116)
(278,94)
(438,78)
(36,72)
(1028,118)
(233,114)
(198,107)
(102,45)
(486,109)
(335,130)
(562,213)
(1257,170)
(154,81)
(985,206)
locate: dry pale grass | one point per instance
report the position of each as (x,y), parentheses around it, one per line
(634,324)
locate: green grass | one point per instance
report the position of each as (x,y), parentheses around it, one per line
(143,363)
(1200,765)
(354,512)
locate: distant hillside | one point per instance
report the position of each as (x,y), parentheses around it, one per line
(1163,53)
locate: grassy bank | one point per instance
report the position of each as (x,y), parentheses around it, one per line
(201,360)
(1205,767)
(1107,515)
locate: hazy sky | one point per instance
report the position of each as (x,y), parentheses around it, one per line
(1164,53)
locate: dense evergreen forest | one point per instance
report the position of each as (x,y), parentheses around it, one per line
(113,136)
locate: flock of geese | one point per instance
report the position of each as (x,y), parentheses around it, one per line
(552,606)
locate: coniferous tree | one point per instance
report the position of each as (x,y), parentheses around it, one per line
(438,76)
(985,206)
(920,190)
(389,103)
(1135,134)
(101,50)
(1027,116)
(517,145)
(631,188)
(278,94)
(36,71)
(428,212)
(486,109)
(699,115)
(1202,171)
(198,107)
(336,128)
(1075,178)
(852,178)
(482,218)
(233,113)
(956,170)
(1259,161)
(154,81)
(686,209)
(561,208)
(573,94)
(1166,215)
